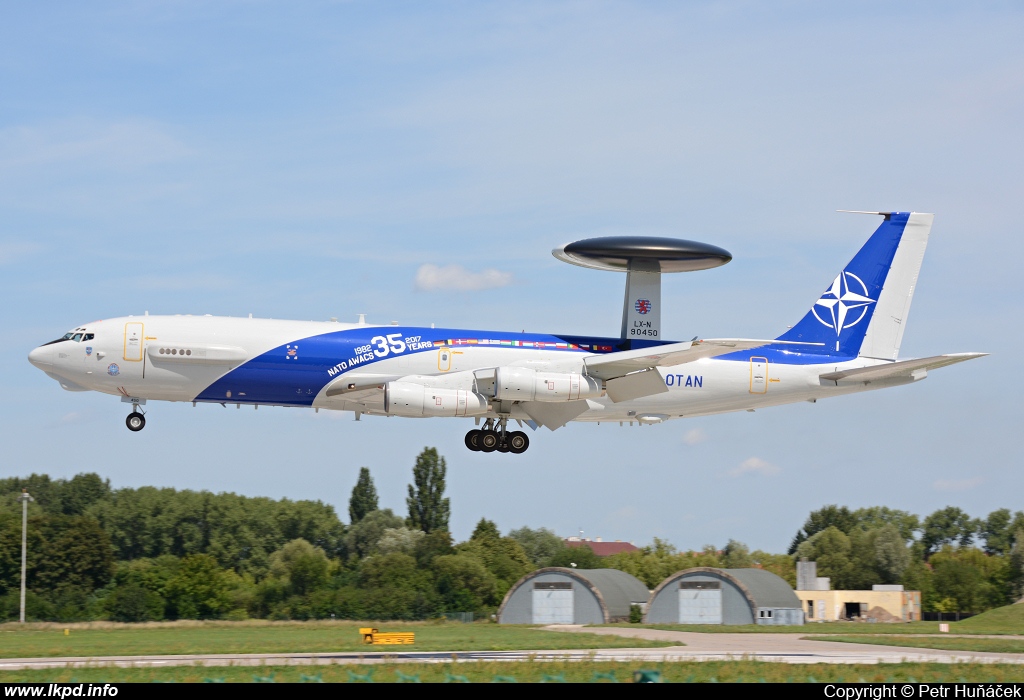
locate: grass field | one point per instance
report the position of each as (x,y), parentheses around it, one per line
(1005,620)
(1006,646)
(534,671)
(255,637)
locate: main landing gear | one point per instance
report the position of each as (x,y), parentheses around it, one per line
(494,436)
(136,420)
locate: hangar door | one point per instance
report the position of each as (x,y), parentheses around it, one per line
(552,603)
(700,602)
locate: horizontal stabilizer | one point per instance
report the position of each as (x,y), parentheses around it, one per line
(619,364)
(902,368)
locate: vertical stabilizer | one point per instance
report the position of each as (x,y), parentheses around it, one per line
(864,309)
(885,332)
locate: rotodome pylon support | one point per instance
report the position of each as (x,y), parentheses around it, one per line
(644,259)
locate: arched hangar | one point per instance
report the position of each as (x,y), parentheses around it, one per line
(558,595)
(710,596)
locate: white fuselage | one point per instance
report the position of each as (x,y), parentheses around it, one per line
(294,363)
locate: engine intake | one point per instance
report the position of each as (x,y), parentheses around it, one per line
(417,401)
(524,384)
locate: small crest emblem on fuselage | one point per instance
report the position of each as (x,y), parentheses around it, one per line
(642,306)
(113,370)
(88,350)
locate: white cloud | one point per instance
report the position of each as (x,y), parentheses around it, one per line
(957,484)
(433,278)
(694,436)
(755,465)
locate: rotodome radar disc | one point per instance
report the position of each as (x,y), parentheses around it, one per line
(650,253)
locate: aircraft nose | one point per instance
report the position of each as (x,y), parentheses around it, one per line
(41,357)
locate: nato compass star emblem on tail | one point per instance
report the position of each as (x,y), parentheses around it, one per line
(846,306)
(292,352)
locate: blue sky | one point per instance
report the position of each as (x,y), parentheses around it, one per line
(306,160)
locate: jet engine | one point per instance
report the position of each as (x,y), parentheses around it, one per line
(416,401)
(524,384)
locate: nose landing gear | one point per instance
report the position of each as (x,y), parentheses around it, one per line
(136,419)
(494,436)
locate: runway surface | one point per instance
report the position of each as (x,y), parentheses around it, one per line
(778,648)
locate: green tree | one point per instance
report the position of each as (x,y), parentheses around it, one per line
(139,588)
(394,588)
(892,558)
(134,603)
(502,556)
(238,531)
(64,552)
(736,555)
(581,557)
(464,583)
(301,566)
(364,497)
(819,520)
(432,545)
(876,517)
(362,538)
(782,565)
(72,496)
(1015,564)
(651,564)
(428,509)
(958,579)
(947,526)
(540,545)
(831,549)
(401,539)
(201,589)
(998,530)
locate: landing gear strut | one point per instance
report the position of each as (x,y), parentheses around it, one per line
(136,420)
(494,436)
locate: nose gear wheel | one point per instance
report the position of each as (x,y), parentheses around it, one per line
(135,422)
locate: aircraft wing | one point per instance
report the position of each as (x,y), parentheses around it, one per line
(619,364)
(902,368)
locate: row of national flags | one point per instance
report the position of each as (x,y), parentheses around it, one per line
(543,344)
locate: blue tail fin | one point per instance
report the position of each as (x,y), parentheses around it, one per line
(841,316)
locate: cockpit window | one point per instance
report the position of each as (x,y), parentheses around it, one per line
(67,336)
(77,337)
(88,336)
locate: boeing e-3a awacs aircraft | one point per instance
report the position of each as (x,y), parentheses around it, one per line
(848,341)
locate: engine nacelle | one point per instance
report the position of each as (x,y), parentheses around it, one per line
(417,401)
(524,384)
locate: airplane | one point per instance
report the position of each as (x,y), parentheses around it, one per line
(847,342)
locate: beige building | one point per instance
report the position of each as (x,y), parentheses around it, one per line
(875,605)
(881,604)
